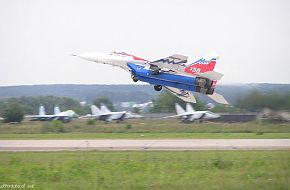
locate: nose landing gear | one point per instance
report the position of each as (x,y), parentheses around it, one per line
(135,79)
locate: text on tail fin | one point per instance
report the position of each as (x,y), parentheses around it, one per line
(202,65)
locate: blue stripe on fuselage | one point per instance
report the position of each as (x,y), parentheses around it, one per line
(164,79)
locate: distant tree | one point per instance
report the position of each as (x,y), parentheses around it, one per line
(256,101)
(165,103)
(105,101)
(13,113)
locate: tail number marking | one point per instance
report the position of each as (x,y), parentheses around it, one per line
(195,70)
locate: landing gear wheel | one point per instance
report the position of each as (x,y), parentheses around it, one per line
(135,79)
(157,87)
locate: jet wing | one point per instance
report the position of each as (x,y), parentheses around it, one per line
(173,63)
(39,117)
(184,95)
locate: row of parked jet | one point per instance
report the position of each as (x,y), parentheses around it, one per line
(104,114)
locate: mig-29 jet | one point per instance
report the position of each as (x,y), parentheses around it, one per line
(190,115)
(64,116)
(173,73)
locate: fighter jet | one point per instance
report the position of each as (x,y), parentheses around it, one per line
(173,73)
(64,116)
(191,115)
(105,114)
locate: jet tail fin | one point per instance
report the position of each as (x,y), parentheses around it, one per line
(56,110)
(95,110)
(202,65)
(179,109)
(104,109)
(189,108)
(41,110)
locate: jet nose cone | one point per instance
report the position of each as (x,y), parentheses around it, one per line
(87,56)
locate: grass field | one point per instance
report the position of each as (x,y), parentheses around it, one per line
(148,170)
(138,129)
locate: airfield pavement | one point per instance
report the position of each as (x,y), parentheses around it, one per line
(165,144)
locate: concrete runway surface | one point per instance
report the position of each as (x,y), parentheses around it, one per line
(165,144)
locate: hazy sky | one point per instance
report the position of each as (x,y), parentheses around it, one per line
(37,37)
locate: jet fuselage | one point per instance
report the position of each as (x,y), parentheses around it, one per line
(189,83)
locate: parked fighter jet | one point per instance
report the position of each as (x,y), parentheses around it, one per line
(105,114)
(191,115)
(64,116)
(173,73)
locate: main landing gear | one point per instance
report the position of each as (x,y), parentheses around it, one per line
(157,87)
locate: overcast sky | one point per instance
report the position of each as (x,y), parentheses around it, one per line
(37,37)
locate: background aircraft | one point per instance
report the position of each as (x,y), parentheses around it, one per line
(194,77)
(105,114)
(191,115)
(64,116)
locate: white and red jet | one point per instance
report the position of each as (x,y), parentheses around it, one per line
(201,70)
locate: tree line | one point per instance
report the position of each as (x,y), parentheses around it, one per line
(14,109)
(256,101)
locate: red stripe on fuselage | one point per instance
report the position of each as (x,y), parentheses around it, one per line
(134,57)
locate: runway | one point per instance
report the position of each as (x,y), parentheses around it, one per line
(165,144)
